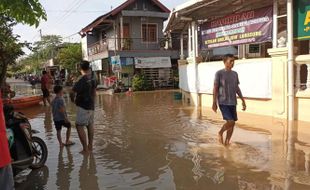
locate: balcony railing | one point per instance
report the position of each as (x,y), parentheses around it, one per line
(129,44)
(302,82)
(97,48)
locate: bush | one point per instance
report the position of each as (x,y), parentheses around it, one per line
(139,83)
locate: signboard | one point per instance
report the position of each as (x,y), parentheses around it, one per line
(126,61)
(152,62)
(253,26)
(116,64)
(302,19)
(96,65)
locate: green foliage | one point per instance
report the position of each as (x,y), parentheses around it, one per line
(69,56)
(139,83)
(10,47)
(47,47)
(28,64)
(43,50)
(23,11)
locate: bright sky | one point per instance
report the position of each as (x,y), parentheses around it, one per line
(67,17)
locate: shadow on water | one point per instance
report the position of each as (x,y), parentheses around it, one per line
(151,141)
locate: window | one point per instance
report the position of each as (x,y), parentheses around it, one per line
(254,48)
(149,32)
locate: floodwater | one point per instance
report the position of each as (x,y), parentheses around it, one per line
(151,141)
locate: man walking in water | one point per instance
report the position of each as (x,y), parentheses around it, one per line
(226,86)
(45,86)
(83,95)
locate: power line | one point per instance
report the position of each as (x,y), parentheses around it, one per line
(69,8)
(77,5)
(76,11)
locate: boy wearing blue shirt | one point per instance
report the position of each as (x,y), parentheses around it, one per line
(60,116)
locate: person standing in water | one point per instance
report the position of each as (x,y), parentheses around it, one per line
(45,86)
(226,87)
(83,94)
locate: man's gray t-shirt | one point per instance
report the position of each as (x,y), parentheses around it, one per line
(57,104)
(227,82)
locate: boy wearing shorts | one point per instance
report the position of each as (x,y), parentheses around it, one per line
(60,116)
(226,86)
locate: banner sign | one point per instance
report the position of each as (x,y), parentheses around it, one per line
(96,65)
(152,62)
(116,64)
(302,19)
(127,61)
(253,26)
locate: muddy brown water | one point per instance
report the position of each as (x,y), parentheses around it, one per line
(151,141)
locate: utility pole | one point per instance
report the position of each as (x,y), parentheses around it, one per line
(40,31)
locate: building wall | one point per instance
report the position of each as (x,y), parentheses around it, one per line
(143,5)
(276,106)
(135,27)
(84,48)
(93,38)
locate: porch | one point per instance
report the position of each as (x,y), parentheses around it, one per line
(283,83)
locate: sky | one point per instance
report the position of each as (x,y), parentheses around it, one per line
(68,17)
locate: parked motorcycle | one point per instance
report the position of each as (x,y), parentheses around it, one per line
(27,151)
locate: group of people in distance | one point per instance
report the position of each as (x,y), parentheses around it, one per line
(83,95)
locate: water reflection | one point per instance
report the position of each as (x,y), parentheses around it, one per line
(48,119)
(64,168)
(87,174)
(151,141)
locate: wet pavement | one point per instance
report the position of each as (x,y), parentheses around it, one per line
(151,141)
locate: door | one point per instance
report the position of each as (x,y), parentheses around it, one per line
(127,41)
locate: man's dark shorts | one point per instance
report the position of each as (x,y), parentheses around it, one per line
(59,124)
(46,93)
(229,112)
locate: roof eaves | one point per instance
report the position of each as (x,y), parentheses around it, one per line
(161,6)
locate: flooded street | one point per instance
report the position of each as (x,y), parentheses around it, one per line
(151,141)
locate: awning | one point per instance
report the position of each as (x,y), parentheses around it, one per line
(207,10)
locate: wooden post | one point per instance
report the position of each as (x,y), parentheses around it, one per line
(122,32)
(189,40)
(275,24)
(182,46)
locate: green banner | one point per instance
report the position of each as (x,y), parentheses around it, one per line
(302,19)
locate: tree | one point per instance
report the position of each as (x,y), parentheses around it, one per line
(69,55)
(10,47)
(23,11)
(12,12)
(47,47)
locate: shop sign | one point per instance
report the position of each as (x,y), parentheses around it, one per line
(126,61)
(254,26)
(302,19)
(96,65)
(152,62)
(116,64)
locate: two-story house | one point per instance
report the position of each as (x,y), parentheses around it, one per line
(134,32)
